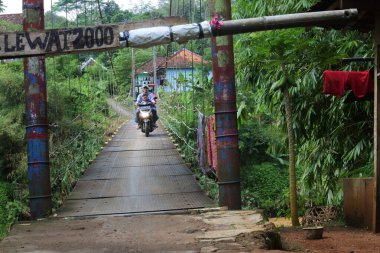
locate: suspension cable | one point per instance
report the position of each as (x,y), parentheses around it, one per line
(170,7)
(108,53)
(176,115)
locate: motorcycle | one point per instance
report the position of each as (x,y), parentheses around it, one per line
(145,119)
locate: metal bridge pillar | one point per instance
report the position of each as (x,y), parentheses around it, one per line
(36,117)
(225,109)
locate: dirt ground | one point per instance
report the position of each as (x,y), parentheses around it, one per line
(335,239)
(215,231)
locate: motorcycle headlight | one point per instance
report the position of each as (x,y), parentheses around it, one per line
(144,115)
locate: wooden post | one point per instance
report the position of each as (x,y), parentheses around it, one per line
(376,204)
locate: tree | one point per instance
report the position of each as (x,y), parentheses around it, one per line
(89,12)
(122,16)
(110,9)
(2,7)
(52,20)
(274,61)
(333,137)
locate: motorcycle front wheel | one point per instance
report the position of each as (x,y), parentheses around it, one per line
(146,128)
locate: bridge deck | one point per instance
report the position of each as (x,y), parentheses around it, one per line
(135,174)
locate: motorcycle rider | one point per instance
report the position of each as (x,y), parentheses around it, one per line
(150,97)
(145,90)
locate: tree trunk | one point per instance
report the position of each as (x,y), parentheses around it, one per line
(292,156)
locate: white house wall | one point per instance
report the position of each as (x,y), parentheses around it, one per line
(172,77)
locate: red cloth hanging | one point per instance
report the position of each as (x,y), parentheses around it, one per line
(336,82)
(360,83)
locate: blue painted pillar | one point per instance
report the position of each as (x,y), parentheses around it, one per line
(225,108)
(36,118)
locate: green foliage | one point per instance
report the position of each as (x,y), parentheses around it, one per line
(2,7)
(256,137)
(11,117)
(10,210)
(265,186)
(179,112)
(333,136)
(79,122)
(207,184)
(4,199)
(80,118)
(249,9)
(121,16)
(6,26)
(53,21)
(122,60)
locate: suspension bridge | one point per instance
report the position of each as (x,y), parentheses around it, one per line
(135,174)
(139,196)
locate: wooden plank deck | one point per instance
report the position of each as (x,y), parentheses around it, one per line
(135,174)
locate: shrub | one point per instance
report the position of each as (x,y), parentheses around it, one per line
(10,210)
(265,186)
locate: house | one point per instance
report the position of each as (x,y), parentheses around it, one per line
(144,74)
(183,64)
(173,72)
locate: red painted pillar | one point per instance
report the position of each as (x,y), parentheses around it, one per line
(225,109)
(36,118)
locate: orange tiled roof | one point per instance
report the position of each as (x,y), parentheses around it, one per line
(148,66)
(183,58)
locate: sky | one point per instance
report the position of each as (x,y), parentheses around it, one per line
(15,6)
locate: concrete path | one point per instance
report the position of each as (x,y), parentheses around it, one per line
(201,232)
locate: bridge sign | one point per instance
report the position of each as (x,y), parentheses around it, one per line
(70,40)
(59,41)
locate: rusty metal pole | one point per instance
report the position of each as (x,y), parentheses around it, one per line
(286,21)
(36,118)
(225,110)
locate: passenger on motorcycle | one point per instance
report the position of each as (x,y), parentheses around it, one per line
(146,96)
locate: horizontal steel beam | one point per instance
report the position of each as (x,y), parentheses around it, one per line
(148,37)
(106,37)
(284,21)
